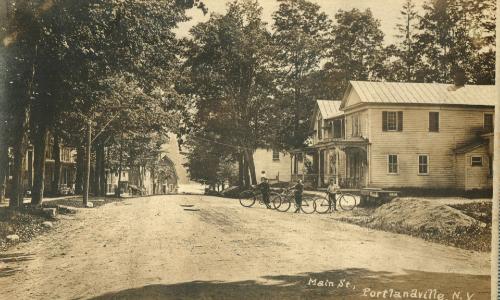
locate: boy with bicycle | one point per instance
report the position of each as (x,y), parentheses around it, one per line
(299,189)
(265,190)
(332,190)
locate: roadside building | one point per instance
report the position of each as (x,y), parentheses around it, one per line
(66,168)
(276,164)
(394,135)
(160,180)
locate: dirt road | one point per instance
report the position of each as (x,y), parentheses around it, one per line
(197,247)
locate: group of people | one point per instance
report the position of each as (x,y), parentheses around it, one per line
(298,188)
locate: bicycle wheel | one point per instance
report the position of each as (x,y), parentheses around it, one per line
(308,206)
(347,201)
(247,198)
(322,205)
(275,200)
(285,204)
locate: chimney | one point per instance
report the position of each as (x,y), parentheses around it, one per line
(459,79)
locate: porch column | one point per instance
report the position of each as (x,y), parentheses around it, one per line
(292,159)
(319,168)
(303,165)
(369,170)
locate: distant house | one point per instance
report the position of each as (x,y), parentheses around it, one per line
(67,169)
(422,135)
(276,164)
(114,180)
(163,180)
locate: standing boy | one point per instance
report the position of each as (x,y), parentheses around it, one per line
(332,194)
(299,189)
(265,190)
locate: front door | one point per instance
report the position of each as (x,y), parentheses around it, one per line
(356,168)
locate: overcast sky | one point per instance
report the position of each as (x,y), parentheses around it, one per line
(387,11)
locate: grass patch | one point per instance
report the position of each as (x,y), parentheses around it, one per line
(25,222)
(78,202)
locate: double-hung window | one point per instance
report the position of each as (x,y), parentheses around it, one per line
(433,121)
(355,129)
(392,164)
(320,129)
(392,121)
(476,161)
(276,155)
(423,164)
(488,123)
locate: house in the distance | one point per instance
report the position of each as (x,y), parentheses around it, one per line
(403,135)
(276,164)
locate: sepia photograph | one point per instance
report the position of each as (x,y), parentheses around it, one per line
(249,149)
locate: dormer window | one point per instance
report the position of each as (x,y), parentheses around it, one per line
(320,128)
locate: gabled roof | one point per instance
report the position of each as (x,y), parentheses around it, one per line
(469,147)
(421,93)
(329,108)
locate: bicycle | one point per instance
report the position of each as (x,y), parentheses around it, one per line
(249,197)
(283,201)
(344,200)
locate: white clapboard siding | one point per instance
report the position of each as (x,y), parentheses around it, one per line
(456,128)
(477,177)
(263,160)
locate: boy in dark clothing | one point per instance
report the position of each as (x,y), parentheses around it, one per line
(332,190)
(299,189)
(265,189)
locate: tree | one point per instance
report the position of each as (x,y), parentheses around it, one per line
(300,40)
(356,51)
(406,52)
(454,33)
(230,81)
(63,56)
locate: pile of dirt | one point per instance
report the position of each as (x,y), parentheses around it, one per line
(431,221)
(424,216)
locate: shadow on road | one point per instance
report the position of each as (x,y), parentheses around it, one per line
(11,258)
(298,287)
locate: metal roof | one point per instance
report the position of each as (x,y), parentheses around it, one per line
(469,147)
(422,93)
(329,108)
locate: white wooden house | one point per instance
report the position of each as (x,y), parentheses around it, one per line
(276,164)
(393,135)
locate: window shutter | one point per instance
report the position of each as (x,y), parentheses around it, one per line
(400,121)
(384,121)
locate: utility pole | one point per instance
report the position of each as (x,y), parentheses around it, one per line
(86,168)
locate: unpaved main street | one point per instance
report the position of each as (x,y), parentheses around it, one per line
(198,247)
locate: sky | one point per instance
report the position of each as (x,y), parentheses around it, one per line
(387,11)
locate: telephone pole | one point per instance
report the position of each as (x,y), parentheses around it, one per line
(86,167)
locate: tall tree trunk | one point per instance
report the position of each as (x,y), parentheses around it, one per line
(102,169)
(153,180)
(118,191)
(251,165)
(246,176)
(40,146)
(87,161)
(96,180)
(241,170)
(19,150)
(4,164)
(80,151)
(56,152)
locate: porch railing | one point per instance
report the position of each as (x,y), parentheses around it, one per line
(311,180)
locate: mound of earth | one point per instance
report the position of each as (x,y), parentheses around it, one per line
(424,216)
